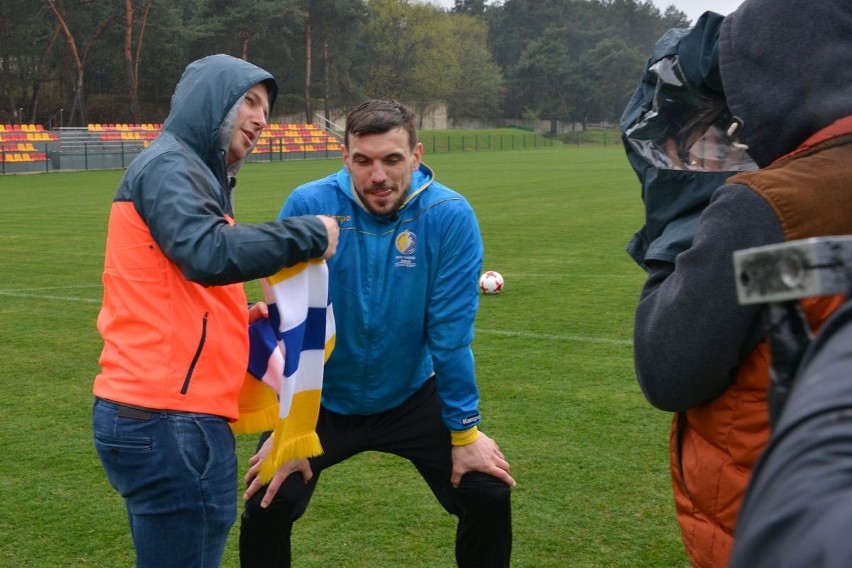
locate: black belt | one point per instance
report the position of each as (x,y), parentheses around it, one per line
(130,411)
(140,412)
(135,412)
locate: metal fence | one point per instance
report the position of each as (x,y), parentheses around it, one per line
(460,142)
(59,156)
(53,156)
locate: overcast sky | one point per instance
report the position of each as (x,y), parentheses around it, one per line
(692,8)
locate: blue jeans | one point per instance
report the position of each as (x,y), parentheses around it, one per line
(177,473)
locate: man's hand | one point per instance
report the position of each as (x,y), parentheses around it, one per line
(258,311)
(254,483)
(480,455)
(333,231)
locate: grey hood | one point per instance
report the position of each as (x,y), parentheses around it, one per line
(204,103)
(786,69)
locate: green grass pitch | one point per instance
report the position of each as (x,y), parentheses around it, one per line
(553,357)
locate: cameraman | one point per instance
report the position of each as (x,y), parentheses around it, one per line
(785,73)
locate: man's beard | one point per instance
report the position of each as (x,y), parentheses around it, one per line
(394,200)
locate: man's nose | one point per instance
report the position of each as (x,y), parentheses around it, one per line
(377,174)
(259,118)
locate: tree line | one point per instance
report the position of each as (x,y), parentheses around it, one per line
(72,62)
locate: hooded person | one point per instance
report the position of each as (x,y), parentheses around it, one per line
(785,71)
(174,316)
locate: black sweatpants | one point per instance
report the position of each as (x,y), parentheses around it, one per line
(414,431)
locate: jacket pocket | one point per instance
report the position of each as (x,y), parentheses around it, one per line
(197,355)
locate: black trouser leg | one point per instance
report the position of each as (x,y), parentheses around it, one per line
(414,431)
(482,503)
(265,533)
(484,535)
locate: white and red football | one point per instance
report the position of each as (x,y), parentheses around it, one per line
(491,282)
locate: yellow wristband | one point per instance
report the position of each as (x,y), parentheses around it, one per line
(464,437)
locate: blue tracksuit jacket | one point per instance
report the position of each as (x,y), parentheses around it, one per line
(404,291)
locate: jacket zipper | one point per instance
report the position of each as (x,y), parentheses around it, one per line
(201,341)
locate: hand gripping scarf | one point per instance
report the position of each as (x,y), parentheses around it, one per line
(287,353)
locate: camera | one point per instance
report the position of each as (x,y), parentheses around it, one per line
(778,275)
(818,266)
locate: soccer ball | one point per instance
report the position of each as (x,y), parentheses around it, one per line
(491,282)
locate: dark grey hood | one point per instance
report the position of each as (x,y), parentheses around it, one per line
(207,92)
(786,70)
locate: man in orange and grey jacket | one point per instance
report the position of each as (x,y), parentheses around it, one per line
(175,317)
(785,74)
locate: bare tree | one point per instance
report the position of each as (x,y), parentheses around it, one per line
(41,72)
(326,75)
(131,59)
(78,57)
(309,113)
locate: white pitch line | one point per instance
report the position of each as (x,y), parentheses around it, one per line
(15,294)
(30,289)
(556,337)
(30,293)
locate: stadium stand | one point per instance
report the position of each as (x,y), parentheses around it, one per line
(296,137)
(30,147)
(276,138)
(17,142)
(121,132)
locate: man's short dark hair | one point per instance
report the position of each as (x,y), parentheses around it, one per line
(377,116)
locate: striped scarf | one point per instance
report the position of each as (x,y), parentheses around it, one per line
(286,357)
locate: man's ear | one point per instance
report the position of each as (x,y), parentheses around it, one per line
(418,155)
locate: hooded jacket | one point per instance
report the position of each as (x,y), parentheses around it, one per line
(786,69)
(174,315)
(405,297)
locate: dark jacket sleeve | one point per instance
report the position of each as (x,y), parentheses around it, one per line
(188,223)
(690,333)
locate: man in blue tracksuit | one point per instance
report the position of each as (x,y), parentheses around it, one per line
(401,377)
